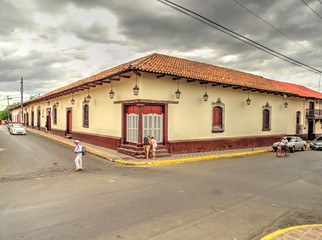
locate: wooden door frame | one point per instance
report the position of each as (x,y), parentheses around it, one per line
(67,122)
(140,104)
(48,110)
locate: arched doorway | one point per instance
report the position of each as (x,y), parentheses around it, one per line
(69,122)
(298,115)
(32,119)
(38,118)
(310,134)
(48,119)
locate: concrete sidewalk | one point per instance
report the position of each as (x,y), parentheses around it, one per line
(116,157)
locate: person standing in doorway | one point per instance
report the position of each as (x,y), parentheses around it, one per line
(79,158)
(146,146)
(153,146)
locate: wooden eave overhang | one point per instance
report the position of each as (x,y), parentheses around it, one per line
(161,66)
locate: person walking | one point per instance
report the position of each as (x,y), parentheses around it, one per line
(79,157)
(146,146)
(153,146)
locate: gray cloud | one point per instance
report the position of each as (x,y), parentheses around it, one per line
(50,56)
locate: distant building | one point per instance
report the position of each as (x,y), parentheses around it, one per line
(187,106)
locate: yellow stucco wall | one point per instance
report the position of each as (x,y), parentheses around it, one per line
(191,118)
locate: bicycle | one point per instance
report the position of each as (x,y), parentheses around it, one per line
(283,150)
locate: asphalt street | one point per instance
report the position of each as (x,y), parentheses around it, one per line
(239,198)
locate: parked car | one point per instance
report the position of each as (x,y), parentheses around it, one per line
(17,129)
(294,143)
(317,143)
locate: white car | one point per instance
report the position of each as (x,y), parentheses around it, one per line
(294,143)
(317,144)
(17,129)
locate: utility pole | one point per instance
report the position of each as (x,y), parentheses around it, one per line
(8,98)
(21,90)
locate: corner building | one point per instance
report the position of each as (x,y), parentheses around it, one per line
(187,106)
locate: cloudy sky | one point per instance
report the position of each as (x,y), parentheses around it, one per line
(52,43)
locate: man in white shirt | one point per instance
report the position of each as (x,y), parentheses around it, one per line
(79,157)
(284,141)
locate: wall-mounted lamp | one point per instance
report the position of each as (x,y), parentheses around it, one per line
(72,101)
(57,104)
(111,93)
(48,103)
(285,101)
(88,98)
(285,104)
(248,100)
(178,93)
(136,88)
(205,96)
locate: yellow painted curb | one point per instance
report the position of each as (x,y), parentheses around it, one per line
(159,162)
(130,163)
(190,159)
(275,234)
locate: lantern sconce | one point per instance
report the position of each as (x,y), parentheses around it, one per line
(178,93)
(285,104)
(285,101)
(248,100)
(111,93)
(136,88)
(72,101)
(88,98)
(205,96)
(48,103)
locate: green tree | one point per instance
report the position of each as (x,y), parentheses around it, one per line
(4,114)
(34,96)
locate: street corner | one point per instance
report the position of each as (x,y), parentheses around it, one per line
(302,232)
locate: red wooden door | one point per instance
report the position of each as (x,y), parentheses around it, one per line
(48,123)
(69,121)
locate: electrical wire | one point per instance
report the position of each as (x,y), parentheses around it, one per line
(285,35)
(312,9)
(237,36)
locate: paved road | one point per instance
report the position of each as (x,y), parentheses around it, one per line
(240,198)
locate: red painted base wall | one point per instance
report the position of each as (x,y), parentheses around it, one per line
(58,132)
(208,145)
(99,140)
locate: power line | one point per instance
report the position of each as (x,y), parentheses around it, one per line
(237,36)
(312,9)
(247,9)
(8,98)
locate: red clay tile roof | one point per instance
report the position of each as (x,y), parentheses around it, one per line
(178,67)
(300,90)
